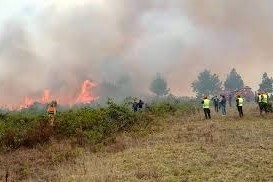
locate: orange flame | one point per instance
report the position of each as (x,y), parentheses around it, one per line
(46,97)
(27,102)
(85,97)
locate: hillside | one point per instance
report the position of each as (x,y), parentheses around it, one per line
(171,147)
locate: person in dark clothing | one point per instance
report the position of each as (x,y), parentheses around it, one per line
(219,103)
(216,103)
(140,105)
(229,100)
(135,106)
(223,105)
(259,101)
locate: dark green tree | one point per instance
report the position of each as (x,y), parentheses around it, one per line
(206,84)
(267,84)
(159,86)
(234,81)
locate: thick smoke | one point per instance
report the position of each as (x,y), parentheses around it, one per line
(110,40)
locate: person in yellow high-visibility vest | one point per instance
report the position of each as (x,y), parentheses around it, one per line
(259,101)
(206,107)
(264,102)
(240,102)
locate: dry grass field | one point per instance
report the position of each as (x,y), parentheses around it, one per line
(223,149)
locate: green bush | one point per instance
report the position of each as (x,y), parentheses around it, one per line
(87,125)
(169,105)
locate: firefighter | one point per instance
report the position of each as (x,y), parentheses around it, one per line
(259,101)
(264,102)
(239,102)
(52,111)
(206,107)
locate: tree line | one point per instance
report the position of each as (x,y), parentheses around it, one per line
(208,83)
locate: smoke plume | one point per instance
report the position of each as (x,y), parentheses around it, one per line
(107,40)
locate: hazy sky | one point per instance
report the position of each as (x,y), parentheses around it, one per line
(63,42)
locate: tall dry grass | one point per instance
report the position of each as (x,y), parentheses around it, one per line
(187,149)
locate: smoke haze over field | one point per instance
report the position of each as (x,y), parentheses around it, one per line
(57,45)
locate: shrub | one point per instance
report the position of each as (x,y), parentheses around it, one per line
(86,124)
(168,105)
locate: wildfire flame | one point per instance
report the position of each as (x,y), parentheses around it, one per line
(84,97)
(46,97)
(27,102)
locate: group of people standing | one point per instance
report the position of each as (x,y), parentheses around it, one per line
(138,105)
(220,104)
(263,102)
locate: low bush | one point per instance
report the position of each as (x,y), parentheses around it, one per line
(172,105)
(87,125)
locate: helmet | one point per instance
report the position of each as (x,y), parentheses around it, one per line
(54,103)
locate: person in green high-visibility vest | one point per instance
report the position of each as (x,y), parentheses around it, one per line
(240,102)
(206,107)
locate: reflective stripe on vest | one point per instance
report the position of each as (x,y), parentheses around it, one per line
(241,101)
(206,104)
(264,98)
(260,98)
(51,110)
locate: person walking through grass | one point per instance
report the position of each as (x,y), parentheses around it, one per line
(259,101)
(52,111)
(140,105)
(223,105)
(135,106)
(239,102)
(216,103)
(206,107)
(264,103)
